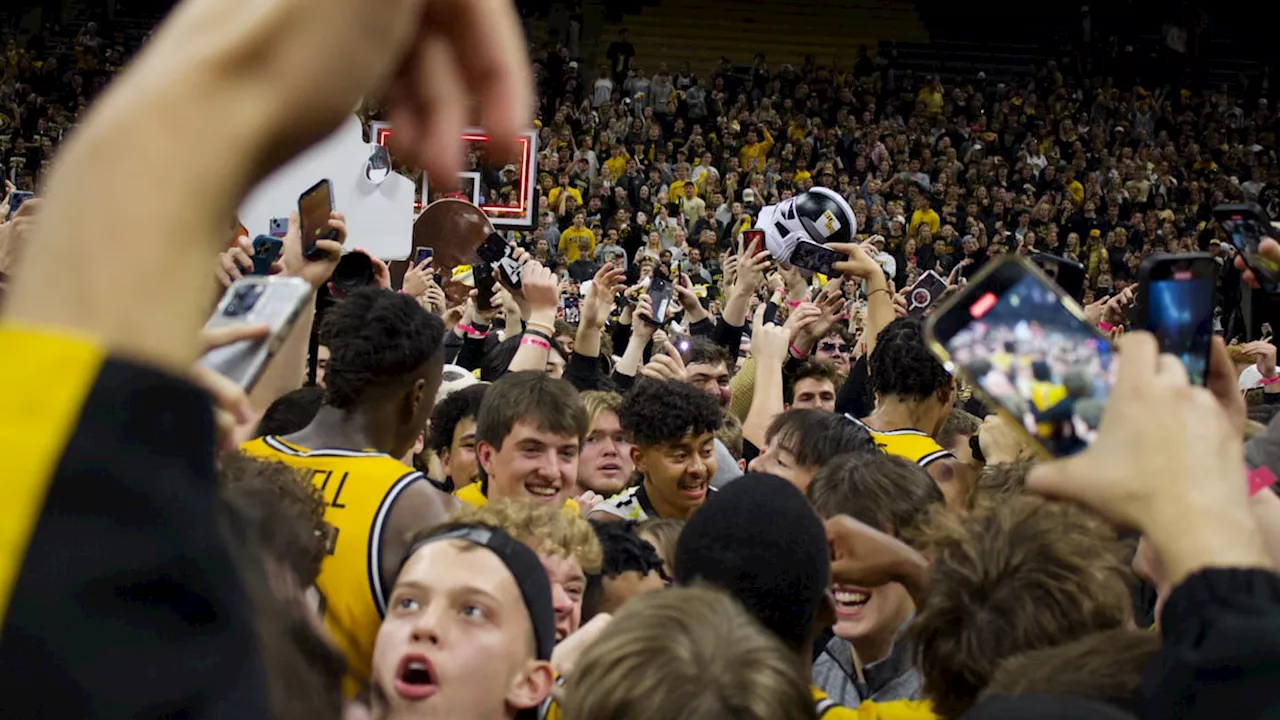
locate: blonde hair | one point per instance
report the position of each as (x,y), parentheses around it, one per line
(543,528)
(598,401)
(687,654)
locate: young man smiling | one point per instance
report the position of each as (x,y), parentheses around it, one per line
(672,426)
(528,435)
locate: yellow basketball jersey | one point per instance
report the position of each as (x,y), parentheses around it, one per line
(359,487)
(916,446)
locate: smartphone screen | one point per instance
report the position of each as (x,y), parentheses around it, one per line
(572,311)
(1176,298)
(753,236)
(314,207)
(660,294)
(924,293)
(821,259)
(1246,225)
(17,197)
(421,255)
(1024,344)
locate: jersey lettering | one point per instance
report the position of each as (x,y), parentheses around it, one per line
(336,500)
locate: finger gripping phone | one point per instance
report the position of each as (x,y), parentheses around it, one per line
(1246,225)
(809,255)
(314,207)
(266,250)
(421,255)
(1175,303)
(1025,346)
(273,301)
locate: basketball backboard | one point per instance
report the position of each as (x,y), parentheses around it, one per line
(508,195)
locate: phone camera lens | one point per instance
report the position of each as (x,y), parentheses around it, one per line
(244,300)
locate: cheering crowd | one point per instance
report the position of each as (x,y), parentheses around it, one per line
(763,498)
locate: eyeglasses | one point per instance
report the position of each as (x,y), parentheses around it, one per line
(835,347)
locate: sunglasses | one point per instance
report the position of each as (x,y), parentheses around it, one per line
(835,347)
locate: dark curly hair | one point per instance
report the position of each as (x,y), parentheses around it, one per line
(464,403)
(902,366)
(624,551)
(660,411)
(377,339)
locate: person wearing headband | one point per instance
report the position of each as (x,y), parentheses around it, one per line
(468,632)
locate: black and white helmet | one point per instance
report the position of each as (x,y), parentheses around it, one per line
(818,214)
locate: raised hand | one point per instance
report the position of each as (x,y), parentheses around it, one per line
(318,267)
(417,279)
(605,286)
(665,365)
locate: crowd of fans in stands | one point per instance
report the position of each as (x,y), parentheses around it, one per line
(553,505)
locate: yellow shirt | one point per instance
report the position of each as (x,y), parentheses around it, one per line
(48,374)
(617,165)
(571,241)
(871,710)
(473,495)
(359,488)
(928,217)
(756,152)
(916,446)
(553,197)
(676,189)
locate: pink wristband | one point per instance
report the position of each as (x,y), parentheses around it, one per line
(798,353)
(1260,478)
(1269,381)
(1105,326)
(794,303)
(535,341)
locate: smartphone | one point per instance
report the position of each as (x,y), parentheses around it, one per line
(753,236)
(1175,303)
(314,207)
(279,227)
(572,309)
(16,198)
(1026,347)
(266,250)
(273,301)
(1246,224)
(928,288)
(809,255)
(1069,274)
(660,296)
(486,286)
(422,254)
(497,253)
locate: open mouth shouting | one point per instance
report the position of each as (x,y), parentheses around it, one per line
(415,678)
(850,601)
